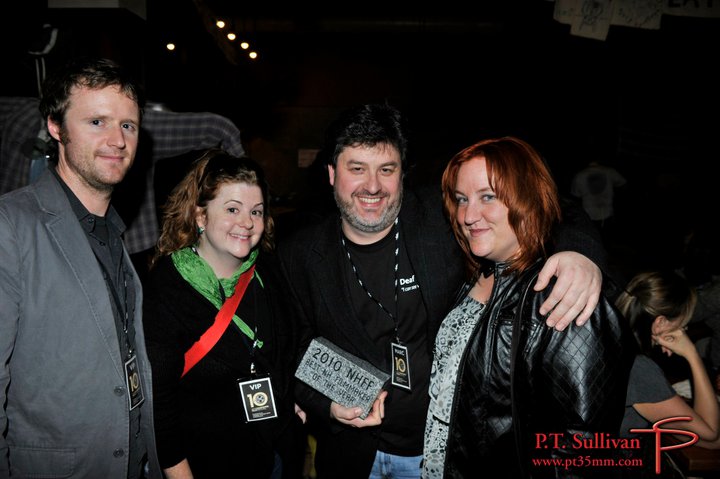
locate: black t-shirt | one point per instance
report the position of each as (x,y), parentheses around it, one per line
(403,427)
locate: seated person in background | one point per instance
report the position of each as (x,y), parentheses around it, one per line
(658,305)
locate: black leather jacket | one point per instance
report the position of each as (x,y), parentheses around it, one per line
(564,383)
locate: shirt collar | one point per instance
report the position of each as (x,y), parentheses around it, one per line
(81,212)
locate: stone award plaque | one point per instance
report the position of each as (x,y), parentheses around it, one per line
(341,376)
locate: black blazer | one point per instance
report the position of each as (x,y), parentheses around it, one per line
(313,260)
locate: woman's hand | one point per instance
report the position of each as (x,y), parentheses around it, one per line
(351,415)
(300,413)
(677,342)
(576,291)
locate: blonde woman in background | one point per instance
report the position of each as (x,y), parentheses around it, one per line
(658,305)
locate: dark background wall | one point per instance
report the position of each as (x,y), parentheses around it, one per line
(644,101)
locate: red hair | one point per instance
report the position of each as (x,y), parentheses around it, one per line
(522,182)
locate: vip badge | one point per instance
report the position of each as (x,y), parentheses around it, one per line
(258,400)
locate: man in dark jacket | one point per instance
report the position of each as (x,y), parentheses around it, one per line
(377,280)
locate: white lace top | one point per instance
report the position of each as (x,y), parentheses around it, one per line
(450,344)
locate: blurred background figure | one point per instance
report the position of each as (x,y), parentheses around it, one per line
(596,186)
(701,267)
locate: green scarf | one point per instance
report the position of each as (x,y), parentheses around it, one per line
(198,273)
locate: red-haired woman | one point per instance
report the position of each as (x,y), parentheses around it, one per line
(507,390)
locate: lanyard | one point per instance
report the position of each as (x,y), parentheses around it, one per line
(249,333)
(242,325)
(395,320)
(251,351)
(121,305)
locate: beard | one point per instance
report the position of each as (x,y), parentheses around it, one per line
(81,163)
(356,221)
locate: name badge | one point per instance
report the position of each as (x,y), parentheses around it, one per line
(258,399)
(400,366)
(133,383)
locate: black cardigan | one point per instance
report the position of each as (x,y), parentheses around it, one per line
(200,417)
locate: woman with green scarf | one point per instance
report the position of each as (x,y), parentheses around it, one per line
(219,331)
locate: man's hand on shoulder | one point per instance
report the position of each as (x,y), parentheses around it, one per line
(576,291)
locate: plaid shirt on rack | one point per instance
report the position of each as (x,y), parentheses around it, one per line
(168,134)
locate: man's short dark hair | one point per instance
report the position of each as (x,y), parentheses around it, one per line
(366,125)
(94,73)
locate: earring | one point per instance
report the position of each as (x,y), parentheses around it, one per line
(200,230)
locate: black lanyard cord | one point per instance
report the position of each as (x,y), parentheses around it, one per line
(395,272)
(122,305)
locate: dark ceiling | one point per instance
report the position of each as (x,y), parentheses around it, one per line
(373,14)
(459,68)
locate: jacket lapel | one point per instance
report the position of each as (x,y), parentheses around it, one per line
(422,264)
(328,272)
(69,238)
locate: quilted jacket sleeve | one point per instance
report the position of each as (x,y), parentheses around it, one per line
(578,382)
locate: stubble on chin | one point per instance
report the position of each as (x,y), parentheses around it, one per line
(359,223)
